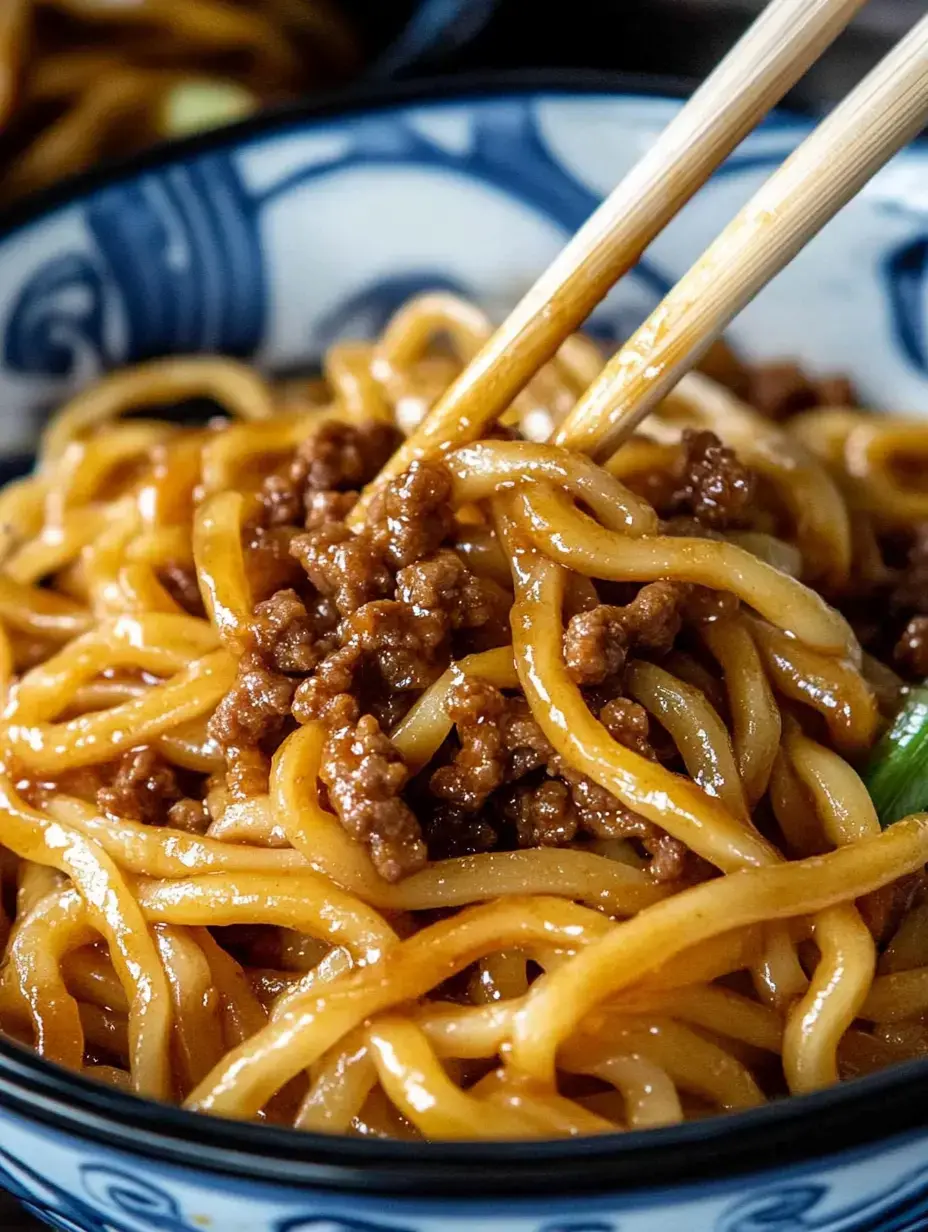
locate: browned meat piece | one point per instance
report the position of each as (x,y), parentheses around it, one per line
(595,644)
(653,618)
(144,788)
(527,747)
(779,390)
(479,766)
(714,487)
(340,455)
(255,706)
(281,501)
(364,775)
(412,515)
(544,816)
(251,713)
(599,812)
(189,815)
(835,391)
(443,583)
(911,592)
(323,507)
(270,565)
(180,581)
(326,696)
(334,457)
(344,567)
(628,723)
(402,643)
(911,651)
(284,633)
(668,856)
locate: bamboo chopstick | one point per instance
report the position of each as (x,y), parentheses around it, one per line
(885,111)
(774,53)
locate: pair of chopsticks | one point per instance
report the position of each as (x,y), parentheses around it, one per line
(884,112)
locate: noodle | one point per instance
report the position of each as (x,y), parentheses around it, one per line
(81,82)
(525,798)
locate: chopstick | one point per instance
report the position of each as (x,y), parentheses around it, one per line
(774,53)
(876,119)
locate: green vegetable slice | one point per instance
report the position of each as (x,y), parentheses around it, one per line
(897,774)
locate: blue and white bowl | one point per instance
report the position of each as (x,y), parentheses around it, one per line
(269,241)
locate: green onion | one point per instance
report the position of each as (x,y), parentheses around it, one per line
(199,105)
(897,774)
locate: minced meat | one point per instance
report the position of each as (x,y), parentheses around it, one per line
(143,789)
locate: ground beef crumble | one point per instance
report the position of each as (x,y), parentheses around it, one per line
(364,775)
(372,617)
(714,487)
(144,788)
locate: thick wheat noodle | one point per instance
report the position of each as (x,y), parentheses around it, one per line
(336,979)
(842,801)
(47,748)
(793,809)
(772,551)
(832,686)
(53,549)
(156,643)
(777,973)
(897,997)
(691,1061)
(755,715)
(559,1002)
(553,1115)
(144,850)
(56,925)
(413,1078)
(483,469)
(242,1012)
(869,450)
(84,467)
(248,822)
(220,566)
(342,1081)
(197,1034)
(648,1091)
(669,800)
(237,388)
(90,977)
(35,610)
(115,914)
(696,729)
(837,990)
(573,539)
(301,901)
(314,1022)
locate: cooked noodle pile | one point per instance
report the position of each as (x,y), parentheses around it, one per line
(528,804)
(82,80)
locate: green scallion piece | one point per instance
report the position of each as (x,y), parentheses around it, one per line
(897,774)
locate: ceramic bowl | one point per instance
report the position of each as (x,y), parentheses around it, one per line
(269,241)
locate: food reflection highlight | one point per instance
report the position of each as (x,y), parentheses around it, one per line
(550,798)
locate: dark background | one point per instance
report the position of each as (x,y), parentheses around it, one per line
(666,38)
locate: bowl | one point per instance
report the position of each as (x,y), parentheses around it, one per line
(269,240)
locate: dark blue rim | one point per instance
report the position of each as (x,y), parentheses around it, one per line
(864,1113)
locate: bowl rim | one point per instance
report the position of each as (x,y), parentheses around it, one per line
(801,1132)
